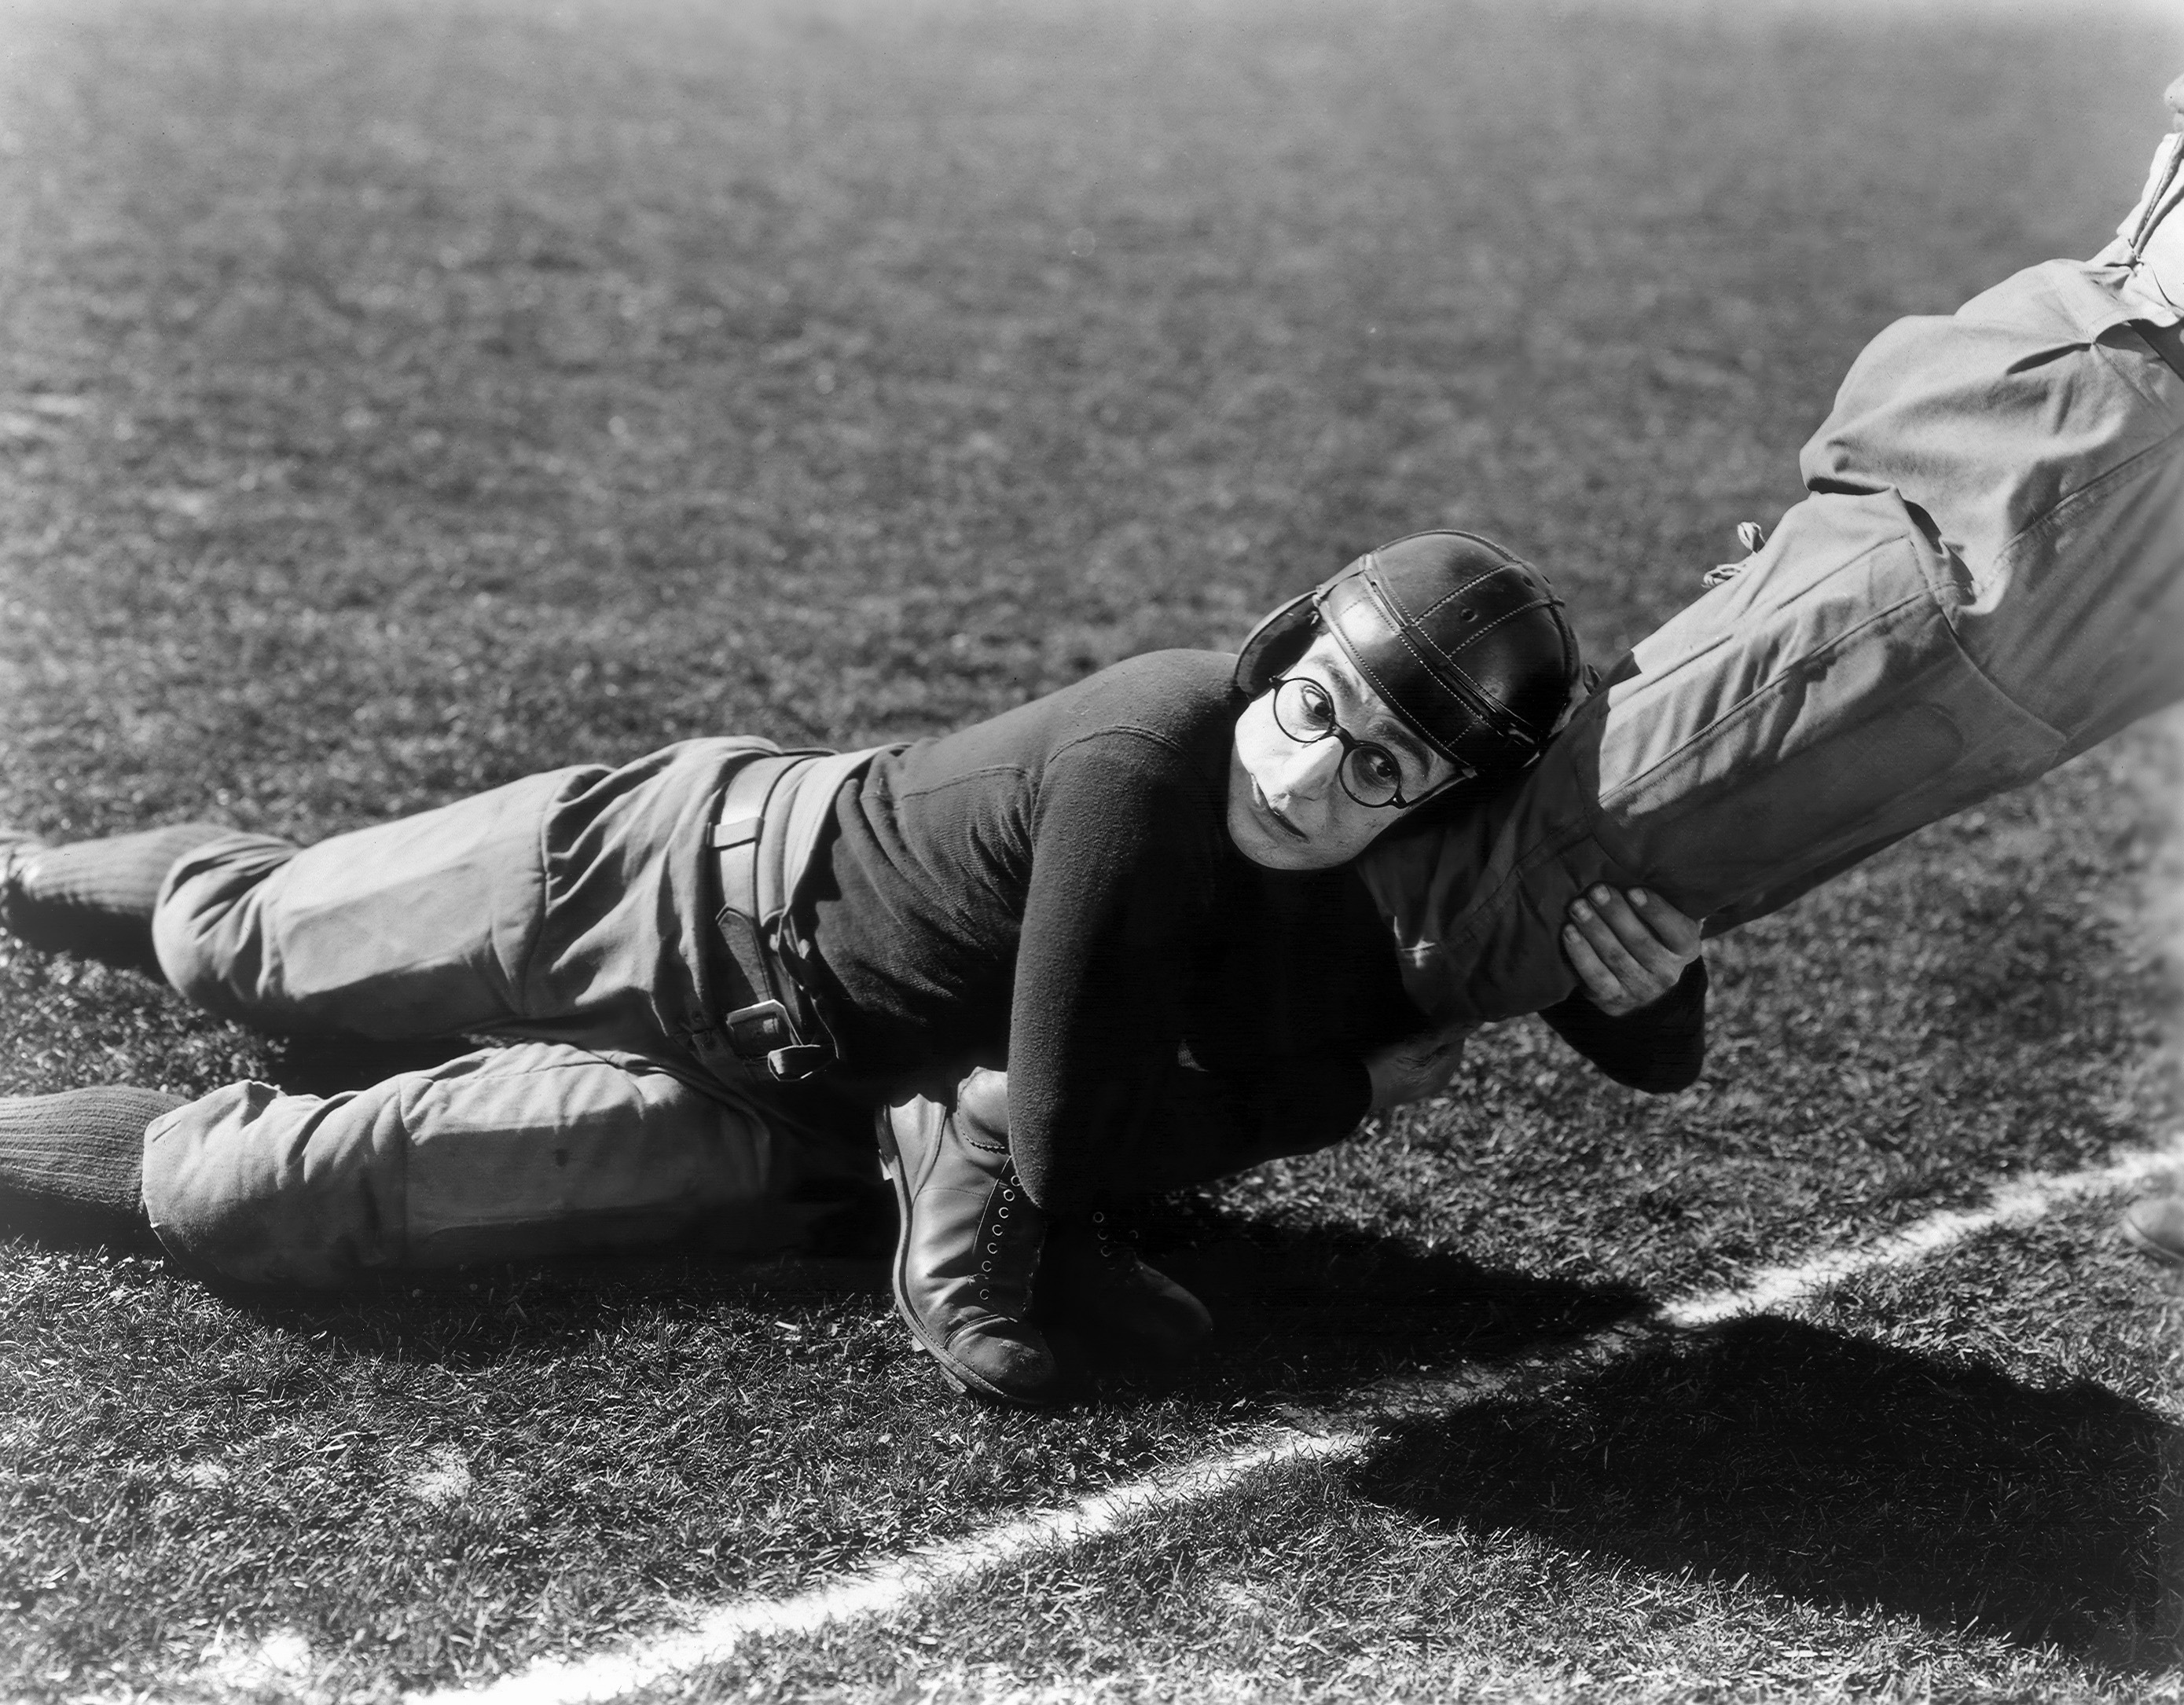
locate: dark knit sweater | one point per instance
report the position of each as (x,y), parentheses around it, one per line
(1055,890)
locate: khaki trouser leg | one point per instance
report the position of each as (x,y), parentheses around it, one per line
(569,910)
(532,1151)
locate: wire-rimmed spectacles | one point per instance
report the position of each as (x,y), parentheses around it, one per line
(1369,772)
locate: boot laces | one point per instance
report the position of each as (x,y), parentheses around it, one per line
(1115,1247)
(994,1231)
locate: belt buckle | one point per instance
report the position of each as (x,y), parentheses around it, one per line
(792,1065)
(764,1032)
(760,1028)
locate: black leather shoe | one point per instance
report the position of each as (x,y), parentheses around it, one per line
(969,1242)
(1092,1280)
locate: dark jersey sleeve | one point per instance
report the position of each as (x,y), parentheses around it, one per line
(1658,1049)
(1124,856)
(1212,1125)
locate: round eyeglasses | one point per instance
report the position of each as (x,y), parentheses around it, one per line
(1369,772)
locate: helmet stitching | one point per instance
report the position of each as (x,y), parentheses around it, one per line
(1433,654)
(1491,703)
(1449,597)
(1410,623)
(1500,720)
(1543,597)
(1448,660)
(1401,631)
(1507,616)
(1406,626)
(1522,726)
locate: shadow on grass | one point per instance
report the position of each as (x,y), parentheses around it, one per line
(1304,1312)
(1839,1471)
(1304,1315)
(1314,1310)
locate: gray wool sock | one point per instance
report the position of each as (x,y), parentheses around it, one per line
(76,1160)
(96,897)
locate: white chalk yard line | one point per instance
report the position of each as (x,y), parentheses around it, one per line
(1338,1435)
(876,1591)
(2017,1202)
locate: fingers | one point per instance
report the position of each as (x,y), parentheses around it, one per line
(1628,950)
(1679,929)
(1601,984)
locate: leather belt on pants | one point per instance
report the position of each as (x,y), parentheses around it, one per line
(772,813)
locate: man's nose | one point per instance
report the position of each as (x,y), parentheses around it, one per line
(1310,766)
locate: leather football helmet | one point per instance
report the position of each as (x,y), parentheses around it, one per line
(1462,640)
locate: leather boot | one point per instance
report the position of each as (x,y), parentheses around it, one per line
(1092,1279)
(969,1243)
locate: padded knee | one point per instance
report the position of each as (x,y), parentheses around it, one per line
(202,926)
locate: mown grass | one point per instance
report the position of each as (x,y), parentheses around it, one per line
(395,399)
(1941,1481)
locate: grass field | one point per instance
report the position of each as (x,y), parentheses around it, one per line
(398,398)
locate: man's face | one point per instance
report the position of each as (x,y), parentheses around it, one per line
(1287,808)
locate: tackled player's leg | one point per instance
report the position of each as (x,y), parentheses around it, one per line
(1988,578)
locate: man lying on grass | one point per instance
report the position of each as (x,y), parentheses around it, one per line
(1105,944)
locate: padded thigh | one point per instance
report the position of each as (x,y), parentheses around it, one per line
(2043,440)
(568,906)
(420,926)
(520,1153)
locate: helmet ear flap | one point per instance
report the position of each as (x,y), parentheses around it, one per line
(1276,643)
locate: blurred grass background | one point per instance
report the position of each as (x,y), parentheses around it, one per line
(410,396)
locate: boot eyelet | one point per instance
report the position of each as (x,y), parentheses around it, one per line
(1004,1214)
(985,1266)
(1008,1195)
(994,1248)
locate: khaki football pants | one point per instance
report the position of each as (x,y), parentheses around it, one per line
(568,914)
